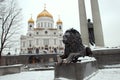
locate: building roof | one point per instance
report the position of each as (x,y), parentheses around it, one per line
(44,13)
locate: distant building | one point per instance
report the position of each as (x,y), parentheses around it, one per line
(44,38)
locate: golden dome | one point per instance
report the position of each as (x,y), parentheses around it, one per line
(44,13)
(59,21)
(31,20)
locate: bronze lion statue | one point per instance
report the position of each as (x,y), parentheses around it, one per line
(74,47)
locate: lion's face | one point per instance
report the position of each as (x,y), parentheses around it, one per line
(71,36)
(66,38)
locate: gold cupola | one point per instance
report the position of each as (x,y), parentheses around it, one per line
(44,13)
(31,20)
(59,21)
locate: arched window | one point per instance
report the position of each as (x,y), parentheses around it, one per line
(30,41)
(45,24)
(48,24)
(46,41)
(23,43)
(51,25)
(54,41)
(37,41)
(60,27)
(29,34)
(41,24)
(37,33)
(30,26)
(29,52)
(46,32)
(61,42)
(54,33)
(37,51)
(38,25)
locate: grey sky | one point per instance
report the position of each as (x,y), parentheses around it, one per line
(68,11)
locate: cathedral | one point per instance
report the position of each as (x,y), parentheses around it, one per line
(42,38)
(41,44)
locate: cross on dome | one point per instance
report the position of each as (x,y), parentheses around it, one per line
(31,20)
(44,6)
(44,13)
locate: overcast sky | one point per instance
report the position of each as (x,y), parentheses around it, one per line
(68,11)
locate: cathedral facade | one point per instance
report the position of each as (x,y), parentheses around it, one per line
(44,37)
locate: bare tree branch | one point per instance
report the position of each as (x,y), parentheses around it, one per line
(10,18)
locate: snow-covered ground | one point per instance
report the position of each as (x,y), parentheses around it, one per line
(107,74)
(30,75)
(103,74)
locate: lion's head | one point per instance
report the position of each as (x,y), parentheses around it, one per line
(73,42)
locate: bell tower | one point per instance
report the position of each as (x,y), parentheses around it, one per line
(59,24)
(30,24)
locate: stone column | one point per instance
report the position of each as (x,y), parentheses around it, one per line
(83,22)
(99,40)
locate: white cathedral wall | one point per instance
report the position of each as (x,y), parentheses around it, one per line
(45,22)
(41,36)
(41,44)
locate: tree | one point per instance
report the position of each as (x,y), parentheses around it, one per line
(10,16)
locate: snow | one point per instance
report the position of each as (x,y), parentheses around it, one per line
(11,65)
(112,66)
(107,74)
(61,78)
(30,75)
(86,59)
(102,74)
(103,48)
(41,68)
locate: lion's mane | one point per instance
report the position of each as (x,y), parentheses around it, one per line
(73,42)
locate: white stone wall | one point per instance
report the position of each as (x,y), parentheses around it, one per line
(44,22)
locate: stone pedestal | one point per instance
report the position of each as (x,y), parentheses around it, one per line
(10,69)
(75,71)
